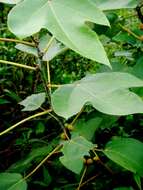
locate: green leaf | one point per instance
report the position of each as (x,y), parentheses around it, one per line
(27,49)
(123,188)
(124,37)
(3,101)
(35,154)
(40,128)
(108,121)
(107,92)
(12,181)
(137,179)
(126,152)
(87,128)
(54,49)
(13,95)
(54,15)
(138,67)
(47,177)
(73,151)
(112,4)
(33,102)
(10,1)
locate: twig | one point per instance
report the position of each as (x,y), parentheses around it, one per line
(48,65)
(18,65)
(42,66)
(77,116)
(54,85)
(100,161)
(17,41)
(24,120)
(37,167)
(131,33)
(61,125)
(82,177)
(44,80)
(49,76)
(48,45)
(90,179)
(42,162)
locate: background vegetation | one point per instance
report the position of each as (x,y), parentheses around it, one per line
(23,148)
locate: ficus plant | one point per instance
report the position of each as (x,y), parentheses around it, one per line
(47,29)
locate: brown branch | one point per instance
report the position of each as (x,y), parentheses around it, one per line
(17,41)
(131,33)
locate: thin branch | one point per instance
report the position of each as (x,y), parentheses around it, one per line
(90,179)
(44,80)
(54,85)
(49,44)
(131,33)
(38,166)
(49,76)
(42,67)
(18,65)
(102,163)
(82,177)
(42,162)
(77,116)
(17,41)
(61,125)
(48,65)
(24,120)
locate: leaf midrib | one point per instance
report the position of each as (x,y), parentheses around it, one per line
(58,22)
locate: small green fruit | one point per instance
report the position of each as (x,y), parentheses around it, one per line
(63,136)
(69,127)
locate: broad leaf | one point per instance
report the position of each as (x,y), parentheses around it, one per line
(27,49)
(87,128)
(126,152)
(33,102)
(4,101)
(137,179)
(112,4)
(54,49)
(12,181)
(66,20)
(108,121)
(107,92)
(124,37)
(35,154)
(73,151)
(13,95)
(138,67)
(10,1)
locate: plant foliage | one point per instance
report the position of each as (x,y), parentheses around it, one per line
(77,67)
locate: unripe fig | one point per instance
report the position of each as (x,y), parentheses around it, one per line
(63,136)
